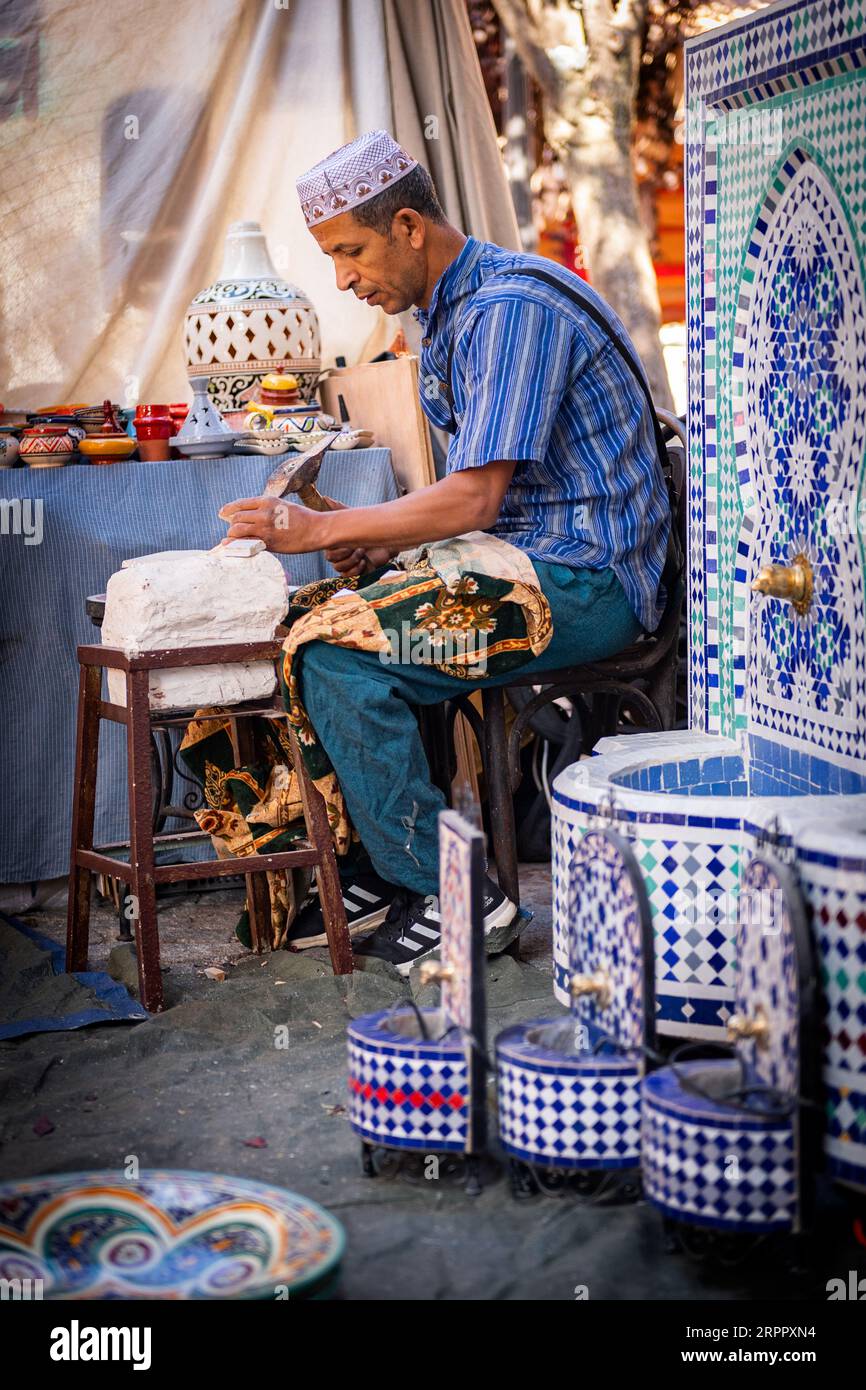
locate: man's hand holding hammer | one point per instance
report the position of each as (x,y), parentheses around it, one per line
(468,500)
(292,530)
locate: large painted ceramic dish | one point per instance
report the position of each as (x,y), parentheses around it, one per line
(166,1235)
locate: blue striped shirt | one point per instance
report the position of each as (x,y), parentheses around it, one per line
(535,380)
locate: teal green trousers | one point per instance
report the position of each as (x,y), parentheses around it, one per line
(361,709)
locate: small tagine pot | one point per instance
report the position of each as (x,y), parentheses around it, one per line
(46,446)
(204,434)
(251,323)
(110,443)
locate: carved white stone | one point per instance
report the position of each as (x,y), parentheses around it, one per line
(193,598)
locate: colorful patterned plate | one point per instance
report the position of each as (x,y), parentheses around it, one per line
(165,1235)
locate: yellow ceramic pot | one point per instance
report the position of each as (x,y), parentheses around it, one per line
(108,450)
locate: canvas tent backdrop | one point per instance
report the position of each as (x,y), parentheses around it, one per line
(132,134)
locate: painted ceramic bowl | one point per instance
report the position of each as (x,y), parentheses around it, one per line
(166,1235)
(46,446)
(92,417)
(262,442)
(108,449)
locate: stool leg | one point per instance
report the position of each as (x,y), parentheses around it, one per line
(141,852)
(258,898)
(330,891)
(500,800)
(434,735)
(83,813)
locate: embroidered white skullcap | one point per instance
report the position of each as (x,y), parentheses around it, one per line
(351,176)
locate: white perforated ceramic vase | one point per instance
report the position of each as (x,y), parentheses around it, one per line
(251,322)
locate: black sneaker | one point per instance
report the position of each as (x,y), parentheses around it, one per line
(411,931)
(366,899)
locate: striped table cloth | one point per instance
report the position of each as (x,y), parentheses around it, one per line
(63,532)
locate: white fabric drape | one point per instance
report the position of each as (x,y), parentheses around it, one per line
(132,134)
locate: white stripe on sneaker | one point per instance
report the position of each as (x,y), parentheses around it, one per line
(409,945)
(426,931)
(368,897)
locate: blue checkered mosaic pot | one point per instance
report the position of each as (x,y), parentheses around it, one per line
(831,863)
(417,1077)
(709,1166)
(566,1112)
(569,1089)
(722,1142)
(405,1093)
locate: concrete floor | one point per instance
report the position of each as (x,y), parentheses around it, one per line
(190,1088)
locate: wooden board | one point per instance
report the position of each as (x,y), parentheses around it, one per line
(383,397)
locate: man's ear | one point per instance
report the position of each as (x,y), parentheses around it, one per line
(409,223)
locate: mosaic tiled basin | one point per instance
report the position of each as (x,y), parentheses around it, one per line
(405,1091)
(713,1166)
(165,1235)
(564,1109)
(695,810)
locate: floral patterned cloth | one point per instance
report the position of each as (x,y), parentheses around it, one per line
(472,607)
(434,603)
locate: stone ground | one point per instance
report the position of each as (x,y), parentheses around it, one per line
(192,1087)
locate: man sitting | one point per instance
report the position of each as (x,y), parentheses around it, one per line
(552,450)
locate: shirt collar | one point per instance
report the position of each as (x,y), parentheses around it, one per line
(456,280)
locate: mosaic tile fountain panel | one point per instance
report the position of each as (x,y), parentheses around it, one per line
(776,225)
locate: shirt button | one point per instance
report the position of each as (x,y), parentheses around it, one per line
(425,342)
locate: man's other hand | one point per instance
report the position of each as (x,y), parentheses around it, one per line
(350,561)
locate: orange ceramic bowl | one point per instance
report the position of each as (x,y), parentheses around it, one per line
(109,450)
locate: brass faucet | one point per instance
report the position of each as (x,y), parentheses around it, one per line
(793,582)
(757,1028)
(434,972)
(598,984)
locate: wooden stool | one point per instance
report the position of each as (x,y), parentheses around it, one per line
(141,873)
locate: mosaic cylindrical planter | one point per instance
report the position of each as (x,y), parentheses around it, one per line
(405,1092)
(730,1143)
(710,1166)
(569,1088)
(656,791)
(832,868)
(565,1111)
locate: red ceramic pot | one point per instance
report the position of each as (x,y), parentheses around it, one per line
(153,422)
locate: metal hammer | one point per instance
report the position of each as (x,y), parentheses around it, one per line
(299,475)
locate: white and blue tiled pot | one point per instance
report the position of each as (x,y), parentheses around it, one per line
(831,863)
(688,849)
(569,1089)
(406,1092)
(729,1143)
(709,1166)
(565,1111)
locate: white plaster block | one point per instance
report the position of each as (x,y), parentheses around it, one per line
(194,598)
